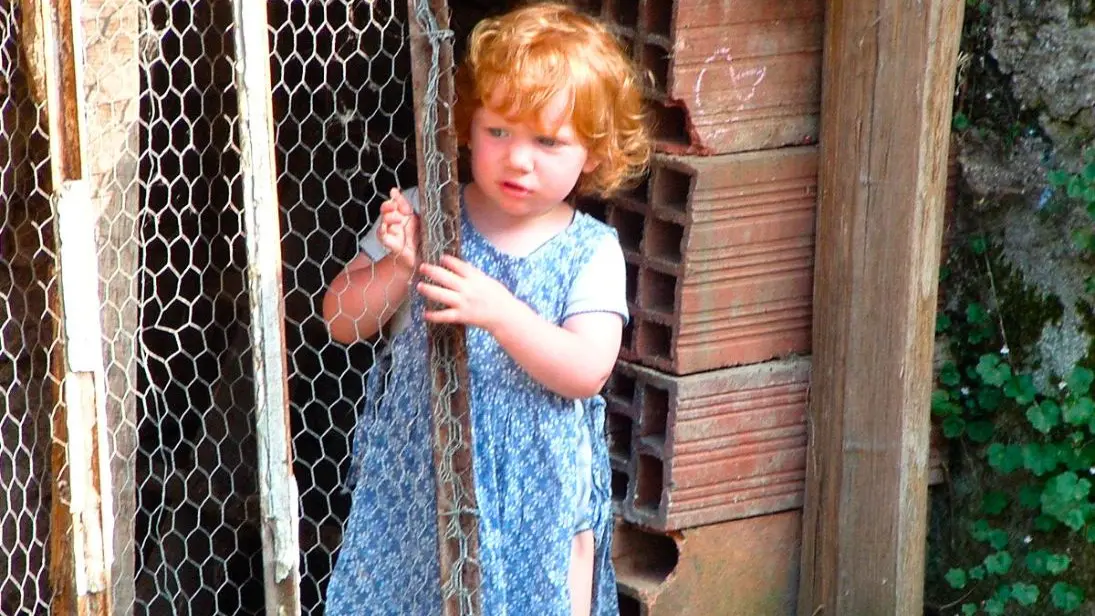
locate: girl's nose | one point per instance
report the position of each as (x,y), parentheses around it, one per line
(520,157)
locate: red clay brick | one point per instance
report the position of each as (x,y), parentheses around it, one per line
(720,259)
(743,567)
(701,449)
(727,77)
(710,447)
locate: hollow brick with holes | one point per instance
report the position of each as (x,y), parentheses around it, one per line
(727,77)
(745,567)
(701,449)
(719,253)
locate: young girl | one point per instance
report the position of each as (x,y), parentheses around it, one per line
(549,107)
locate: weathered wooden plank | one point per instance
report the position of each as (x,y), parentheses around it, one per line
(435,141)
(112,75)
(278,496)
(81,543)
(888,77)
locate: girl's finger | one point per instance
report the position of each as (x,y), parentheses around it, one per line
(440,275)
(448,315)
(401,202)
(440,295)
(462,268)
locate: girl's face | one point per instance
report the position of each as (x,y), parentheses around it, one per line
(526,169)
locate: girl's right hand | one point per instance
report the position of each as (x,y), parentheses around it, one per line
(398,231)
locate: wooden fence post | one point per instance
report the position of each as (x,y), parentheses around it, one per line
(887,85)
(279,500)
(457,515)
(81,517)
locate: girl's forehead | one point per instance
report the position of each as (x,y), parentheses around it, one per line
(553,114)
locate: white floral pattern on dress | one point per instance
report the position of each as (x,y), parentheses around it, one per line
(525,448)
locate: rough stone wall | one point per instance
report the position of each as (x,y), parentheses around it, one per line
(1026,84)
(1039,114)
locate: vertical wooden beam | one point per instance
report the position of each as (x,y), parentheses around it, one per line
(81,518)
(457,510)
(112,74)
(278,494)
(887,83)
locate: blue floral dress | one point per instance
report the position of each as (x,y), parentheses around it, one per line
(525,444)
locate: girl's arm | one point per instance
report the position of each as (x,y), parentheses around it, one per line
(573,361)
(366,294)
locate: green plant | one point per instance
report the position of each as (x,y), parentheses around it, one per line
(1036,443)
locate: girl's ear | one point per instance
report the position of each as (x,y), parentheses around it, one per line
(591,165)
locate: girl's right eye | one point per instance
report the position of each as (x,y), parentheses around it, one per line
(497,132)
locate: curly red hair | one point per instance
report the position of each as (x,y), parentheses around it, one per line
(529,55)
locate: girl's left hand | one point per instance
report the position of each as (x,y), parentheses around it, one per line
(470,297)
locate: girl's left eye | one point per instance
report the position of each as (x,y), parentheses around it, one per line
(547,142)
(496,132)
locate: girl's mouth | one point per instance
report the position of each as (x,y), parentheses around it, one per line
(514,189)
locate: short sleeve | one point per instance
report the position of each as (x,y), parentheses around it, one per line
(601,285)
(370,243)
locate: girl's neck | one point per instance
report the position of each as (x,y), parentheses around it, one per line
(515,235)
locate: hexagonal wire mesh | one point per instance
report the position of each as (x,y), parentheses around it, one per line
(173,269)
(28,390)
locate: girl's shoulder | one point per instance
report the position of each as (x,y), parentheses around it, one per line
(591,228)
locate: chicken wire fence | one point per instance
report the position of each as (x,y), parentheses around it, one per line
(166,173)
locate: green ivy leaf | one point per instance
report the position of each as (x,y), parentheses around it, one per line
(960,122)
(976,314)
(989,398)
(1083,239)
(1005,458)
(1021,389)
(978,245)
(1089,172)
(1075,187)
(1065,498)
(942,321)
(1045,523)
(980,530)
(942,405)
(1037,562)
(992,370)
(1066,597)
(998,563)
(994,502)
(953,426)
(998,539)
(969,609)
(1058,177)
(1079,412)
(1025,594)
(1045,416)
(1030,496)
(949,375)
(994,607)
(980,431)
(977,572)
(1079,381)
(1039,459)
(1057,563)
(1089,534)
(956,578)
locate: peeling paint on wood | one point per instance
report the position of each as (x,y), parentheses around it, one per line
(277,486)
